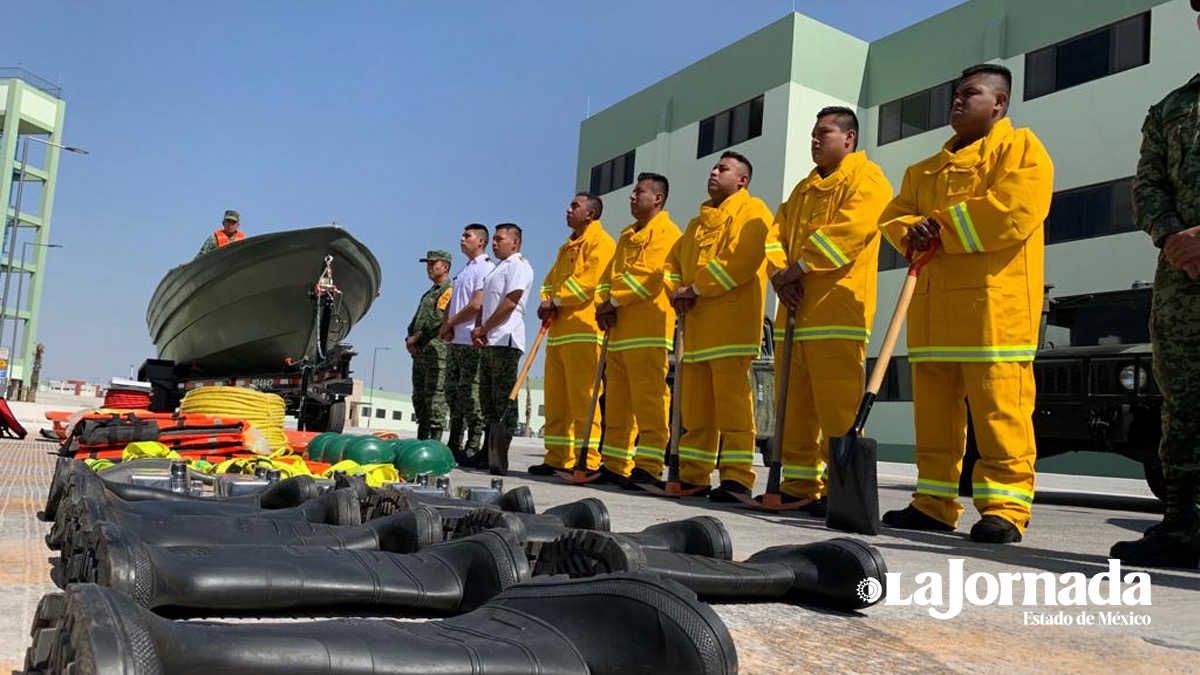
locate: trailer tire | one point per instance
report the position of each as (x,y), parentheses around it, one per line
(335,419)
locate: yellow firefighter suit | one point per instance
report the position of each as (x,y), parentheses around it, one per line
(573,346)
(830,227)
(635,383)
(973,324)
(722,255)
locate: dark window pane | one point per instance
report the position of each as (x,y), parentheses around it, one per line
(366,412)
(1092,211)
(739,126)
(605,178)
(890,258)
(939,104)
(889,122)
(721,131)
(628,178)
(1122,201)
(379,413)
(1039,72)
(1082,60)
(397,415)
(705,144)
(1131,43)
(756,116)
(618,174)
(914,114)
(594,187)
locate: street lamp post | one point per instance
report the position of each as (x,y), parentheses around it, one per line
(12,352)
(15,222)
(371,393)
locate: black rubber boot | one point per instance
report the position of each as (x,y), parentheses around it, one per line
(585,514)
(536,530)
(447,578)
(995,530)
(825,573)
(404,532)
(701,535)
(912,518)
(618,624)
(517,500)
(1176,541)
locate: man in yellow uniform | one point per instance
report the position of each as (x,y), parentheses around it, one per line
(573,343)
(823,256)
(716,274)
(973,324)
(632,305)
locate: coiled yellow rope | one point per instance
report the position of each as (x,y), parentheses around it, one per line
(263,411)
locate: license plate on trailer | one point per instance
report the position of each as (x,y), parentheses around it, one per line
(262,383)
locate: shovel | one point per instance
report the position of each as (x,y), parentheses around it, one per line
(499,436)
(772,500)
(674,487)
(853,500)
(580,475)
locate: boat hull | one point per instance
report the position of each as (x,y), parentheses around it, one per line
(247,309)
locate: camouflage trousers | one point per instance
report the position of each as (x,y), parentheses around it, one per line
(498,368)
(1175,332)
(462,394)
(429,390)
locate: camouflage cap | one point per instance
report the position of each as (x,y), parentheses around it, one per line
(232,215)
(435,255)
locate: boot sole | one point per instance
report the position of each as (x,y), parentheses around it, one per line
(85,631)
(582,553)
(588,513)
(871,561)
(483,520)
(715,536)
(517,500)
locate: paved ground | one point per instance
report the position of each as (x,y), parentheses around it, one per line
(1074,526)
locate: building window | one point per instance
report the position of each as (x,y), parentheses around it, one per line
(380,413)
(397,416)
(897,382)
(916,113)
(413,417)
(730,127)
(1092,211)
(541,410)
(1091,56)
(612,175)
(366,412)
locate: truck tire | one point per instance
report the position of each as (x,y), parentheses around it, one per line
(335,417)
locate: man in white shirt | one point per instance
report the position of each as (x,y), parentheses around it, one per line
(500,325)
(462,358)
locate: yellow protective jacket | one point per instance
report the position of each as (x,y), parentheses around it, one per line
(830,226)
(722,254)
(980,298)
(571,283)
(634,281)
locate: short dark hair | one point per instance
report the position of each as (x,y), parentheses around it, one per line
(478,228)
(594,203)
(740,159)
(659,181)
(844,117)
(990,69)
(510,226)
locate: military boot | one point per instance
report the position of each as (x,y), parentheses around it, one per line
(701,535)
(618,624)
(834,573)
(1176,541)
(448,578)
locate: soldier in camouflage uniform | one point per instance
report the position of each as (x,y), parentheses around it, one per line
(428,350)
(226,234)
(1166,199)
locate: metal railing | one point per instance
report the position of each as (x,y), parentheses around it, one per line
(11,73)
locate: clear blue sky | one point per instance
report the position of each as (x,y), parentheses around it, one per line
(399,120)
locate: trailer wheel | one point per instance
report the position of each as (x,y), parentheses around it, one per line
(335,419)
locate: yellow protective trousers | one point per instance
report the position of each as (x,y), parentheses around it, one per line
(570,372)
(636,405)
(1001,401)
(718,413)
(825,387)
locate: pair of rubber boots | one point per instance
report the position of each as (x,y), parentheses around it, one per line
(1175,542)
(608,625)
(702,535)
(836,573)
(404,532)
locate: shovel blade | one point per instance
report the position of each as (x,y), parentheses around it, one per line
(499,439)
(853,485)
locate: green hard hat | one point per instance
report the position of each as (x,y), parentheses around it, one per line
(316,447)
(432,457)
(369,450)
(335,448)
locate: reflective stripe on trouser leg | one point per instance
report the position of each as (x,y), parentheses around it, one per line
(570,371)
(1001,398)
(734,407)
(834,368)
(619,426)
(698,445)
(647,370)
(940,418)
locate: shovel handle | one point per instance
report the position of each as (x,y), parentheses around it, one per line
(537,343)
(893,330)
(784,368)
(581,461)
(676,406)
